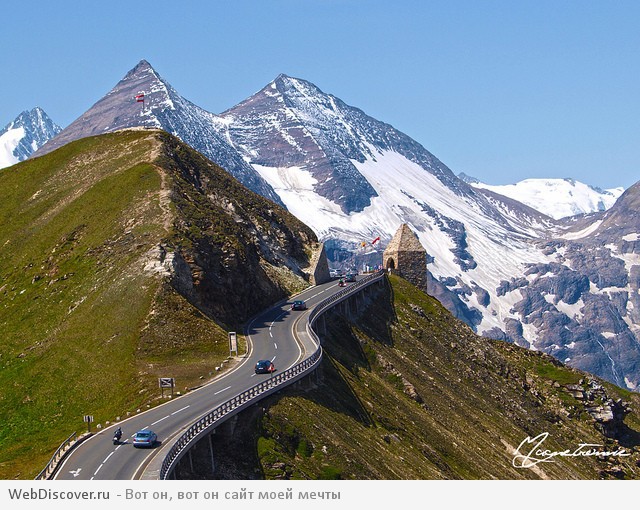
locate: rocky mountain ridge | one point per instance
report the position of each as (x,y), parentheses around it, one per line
(126,257)
(506,269)
(144,99)
(25,135)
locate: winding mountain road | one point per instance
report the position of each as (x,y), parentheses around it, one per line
(274,334)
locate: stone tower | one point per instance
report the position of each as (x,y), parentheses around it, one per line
(406,257)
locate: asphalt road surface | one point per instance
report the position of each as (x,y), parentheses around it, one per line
(271,335)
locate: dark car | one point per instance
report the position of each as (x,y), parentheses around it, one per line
(299,305)
(144,438)
(265,366)
(351,277)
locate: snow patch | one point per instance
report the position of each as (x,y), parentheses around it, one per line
(8,143)
(558,198)
(571,236)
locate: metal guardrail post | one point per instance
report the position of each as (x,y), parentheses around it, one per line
(59,453)
(235,404)
(251,395)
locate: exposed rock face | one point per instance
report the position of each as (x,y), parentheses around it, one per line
(162,108)
(27,133)
(607,413)
(319,272)
(233,252)
(584,302)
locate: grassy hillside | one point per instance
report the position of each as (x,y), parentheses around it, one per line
(408,392)
(110,248)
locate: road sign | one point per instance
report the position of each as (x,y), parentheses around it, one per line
(88,418)
(166,382)
(233,343)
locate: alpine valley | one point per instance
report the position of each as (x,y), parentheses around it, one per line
(569,287)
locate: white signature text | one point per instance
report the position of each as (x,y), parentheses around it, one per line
(532,452)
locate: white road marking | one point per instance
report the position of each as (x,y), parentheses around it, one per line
(277,318)
(75,472)
(161,419)
(321,292)
(179,410)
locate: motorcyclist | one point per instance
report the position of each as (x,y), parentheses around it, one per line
(341,282)
(118,434)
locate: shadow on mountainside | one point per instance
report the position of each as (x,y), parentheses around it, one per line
(239,444)
(405,392)
(628,438)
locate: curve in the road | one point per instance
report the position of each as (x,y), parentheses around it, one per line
(292,344)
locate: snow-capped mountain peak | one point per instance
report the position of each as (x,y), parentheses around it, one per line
(144,99)
(568,288)
(507,269)
(558,198)
(291,122)
(25,135)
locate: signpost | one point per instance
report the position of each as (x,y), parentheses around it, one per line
(166,382)
(233,343)
(88,418)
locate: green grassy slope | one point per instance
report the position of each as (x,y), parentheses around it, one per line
(89,317)
(406,391)
(71,304)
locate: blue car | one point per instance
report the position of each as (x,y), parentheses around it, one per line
(144,438)
(265,366)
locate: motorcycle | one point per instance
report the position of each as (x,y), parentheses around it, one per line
(342,283)
(116,436)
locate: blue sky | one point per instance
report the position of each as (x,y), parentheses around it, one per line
(501,90)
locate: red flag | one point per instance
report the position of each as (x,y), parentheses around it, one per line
(140,98)
(375,240)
